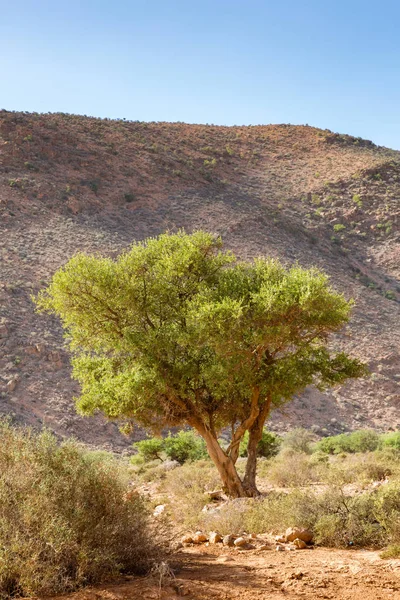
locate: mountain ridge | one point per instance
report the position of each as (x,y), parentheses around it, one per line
(71,183)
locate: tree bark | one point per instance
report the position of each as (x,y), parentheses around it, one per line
(255,435)
(226,467)
(231,481)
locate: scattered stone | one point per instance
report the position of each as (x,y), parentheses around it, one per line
(280,539)
(299,544)
(294,533)
(169,465)
(224,559)
(214,537)
(264,547)
(217,495)
(199,538)
(279,548)
(297,575)
(240,541)
(158,511)
(228,540)
(187,539)
(12,384)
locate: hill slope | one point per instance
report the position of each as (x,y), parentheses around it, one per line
(70,183)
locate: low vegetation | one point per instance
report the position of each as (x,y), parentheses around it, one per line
(65,517)
(346,488)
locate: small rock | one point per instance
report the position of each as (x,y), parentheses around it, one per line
(214,537)
(199,538)
(240,541)
(280,548)
(280,539)
(297,575)
(264,547)
(12,384)
(159,510)
(170,465)
(187,539)
(294,533)
(299,544)
(228,540)
(216,495)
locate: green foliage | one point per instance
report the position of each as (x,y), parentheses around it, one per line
(176,331)
(267,447)
(390,440)
(364,440)
(185,446)
(339,227)
(150,449)
(357,200)
(65,520)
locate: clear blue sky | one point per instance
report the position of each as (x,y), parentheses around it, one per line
(334,64)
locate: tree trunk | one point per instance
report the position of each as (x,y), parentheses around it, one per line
(249,480)
(255,435)
(226,467)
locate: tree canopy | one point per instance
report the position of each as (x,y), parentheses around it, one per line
(178,331)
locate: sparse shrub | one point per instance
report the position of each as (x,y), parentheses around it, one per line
(187,486)
(65,520)
(291,469)
(129,197)
(339,227)
(299,440)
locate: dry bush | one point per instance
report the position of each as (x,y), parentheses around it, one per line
(64,518)
(290,469)
(186,486)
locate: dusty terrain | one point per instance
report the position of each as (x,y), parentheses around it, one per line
(224,574)
(71,183)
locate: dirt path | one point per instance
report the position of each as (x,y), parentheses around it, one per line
(223,574)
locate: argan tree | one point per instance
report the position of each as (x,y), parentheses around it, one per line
(177,331)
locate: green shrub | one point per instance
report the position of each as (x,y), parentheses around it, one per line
(390,440)
(339,227)
(65,518)
(185,446)
(267,447)
(364,440)
(150,449)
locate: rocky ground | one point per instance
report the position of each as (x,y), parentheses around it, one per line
(70,183)
(220,573)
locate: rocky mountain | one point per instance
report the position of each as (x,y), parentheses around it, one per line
(72,183)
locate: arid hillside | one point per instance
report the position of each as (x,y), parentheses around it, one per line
(71,183)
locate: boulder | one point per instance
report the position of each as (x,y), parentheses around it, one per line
(228,540)
(299,544)
(199,538)
(187,539)
(214,537)
(240,542)
(297,533)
